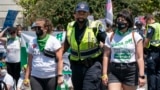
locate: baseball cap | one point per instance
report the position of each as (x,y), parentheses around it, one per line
(33,25)
(82,6)
(138,23)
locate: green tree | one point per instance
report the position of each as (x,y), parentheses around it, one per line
(61,11)
(138,7)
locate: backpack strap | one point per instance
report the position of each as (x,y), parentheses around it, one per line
(4,85)
(133,38)
(112,36)
(134,44)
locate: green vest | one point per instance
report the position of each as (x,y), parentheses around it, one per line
(89,45)
(155,41)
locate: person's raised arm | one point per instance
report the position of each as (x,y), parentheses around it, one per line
(2,33)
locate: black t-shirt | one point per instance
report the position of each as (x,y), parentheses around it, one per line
(80,32)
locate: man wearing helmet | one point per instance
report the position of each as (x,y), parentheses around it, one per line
(83,37)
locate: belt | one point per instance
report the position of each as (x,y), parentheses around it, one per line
(123,64)
(153,48)
(87,62)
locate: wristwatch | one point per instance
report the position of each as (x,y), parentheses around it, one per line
(59,75)
(142,77)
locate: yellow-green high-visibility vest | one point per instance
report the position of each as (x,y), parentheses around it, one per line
(155,41)
(89,45)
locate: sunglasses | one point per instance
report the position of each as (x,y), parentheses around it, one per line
(36,27)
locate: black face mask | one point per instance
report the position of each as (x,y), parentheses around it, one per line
(39,31)
(81,20)
(121,25)
(139,27)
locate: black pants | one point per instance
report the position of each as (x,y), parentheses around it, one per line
(43,84)
(84,78)
(14,70)
(153,70)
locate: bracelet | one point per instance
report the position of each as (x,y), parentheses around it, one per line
(26,81)
(59,75)
(104,76)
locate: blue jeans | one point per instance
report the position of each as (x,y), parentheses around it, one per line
(153,70)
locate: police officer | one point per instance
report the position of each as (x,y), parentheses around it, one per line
(152,43)
(83,37)
(139,28)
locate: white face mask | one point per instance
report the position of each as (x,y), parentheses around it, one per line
(3,72)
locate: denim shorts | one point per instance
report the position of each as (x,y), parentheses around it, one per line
(125,73)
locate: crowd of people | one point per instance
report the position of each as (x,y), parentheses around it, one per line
(111,58)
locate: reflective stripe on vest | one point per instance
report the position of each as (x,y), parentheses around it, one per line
(89,46)
(87,53)
(155,41)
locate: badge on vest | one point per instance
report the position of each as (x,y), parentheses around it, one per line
(101,28)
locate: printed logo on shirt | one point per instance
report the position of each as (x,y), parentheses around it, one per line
(36,51)
(101,28)
(122,54)
(12,50)
(34,45)
(129,41)
(149,30)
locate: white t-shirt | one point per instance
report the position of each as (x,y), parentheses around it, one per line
(123,47)
(109,34)
(13,50)
(43,66)
(8,80)
(2,48)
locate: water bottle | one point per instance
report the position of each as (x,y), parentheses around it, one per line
(23,87)
(140,88)
(63,86)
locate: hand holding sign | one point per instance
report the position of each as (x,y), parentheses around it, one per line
(5,29)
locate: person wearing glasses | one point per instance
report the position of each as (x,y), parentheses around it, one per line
(12,42)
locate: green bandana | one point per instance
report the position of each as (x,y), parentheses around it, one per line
(10,38)
(123,33)
(42,42)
